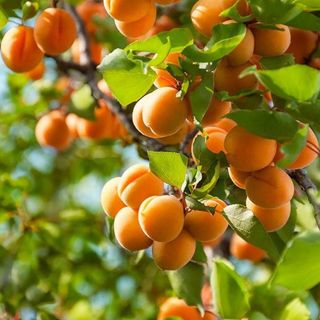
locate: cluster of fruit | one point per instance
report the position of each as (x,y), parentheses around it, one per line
(134,19)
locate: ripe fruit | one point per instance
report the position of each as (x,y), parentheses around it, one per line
(161,218)
(271,42)
(164,23)
(72,123)
(95,51)
(128,11)
(55,31)
(128,231)
(110,200)
(19,50)
(37,73)
(216,111)
(226,124)
(205,226)
(248,152)
(215,140)
(174,307)
(52,131)
(175,254)
(137,184)
(165,2)
(176,137)
(209,316)
(270,187)
(244,250)
(239,178)
(272,219)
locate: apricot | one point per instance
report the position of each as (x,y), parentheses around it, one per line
(175,254)
(244,250)
(226,124)
(72,123)
(128,231)
(138,28)
(174,307)
(239,178)
(216,111)
(37,73)
(19,50)
(209,316)
(226,78)
(273,219)
(205,226)
(52,131)
(95,51)
(248,152)
(271,42)
(55,31)
(164,23)
(177,137)
(270,187)
(165,2)
(137,184)
(161,217)
(213,243)
(128,11)
(110,200)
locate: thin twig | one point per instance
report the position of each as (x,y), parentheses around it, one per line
(188,138)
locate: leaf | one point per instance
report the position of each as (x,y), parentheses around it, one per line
(170,167)
(199,255)
(128,80)
(202,153)
(3,18)
(197,205)
(306,21)
(248,227)
(295,310)
(268,124)
(225,38)
(83,102)
(298,268)
(297,82)
(310,4)
(226,283)
(277,62)
(187,283)
(234,14)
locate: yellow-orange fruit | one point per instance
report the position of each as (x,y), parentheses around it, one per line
(209,316)
(302,44)
(165,2)
(216,137)
(175,254)
(226,124)
(205,226)
(244,250)
(95,51)
(216,111)
(137,184)
(124,10)
(161,218)
(270,187)
(37,73)
(248,152)
(273,219)
(52,131)
(87,11)
(109,198)
(213,243)
(206,295)
(226,78)
(163,112)
(140,27)
(174,307)
(238,177)
(72,123)
(177,137)
(128,231)
(19,50)
(164,23)
(271,42)
(55,31)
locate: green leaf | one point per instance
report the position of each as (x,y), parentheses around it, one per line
(187,283)
(277,62)
(305,20)
(226,283)
(194,204)
(3,18)
(199,255)
(234,14)
(225,38)
(83,102)
(248,227)
(127,79)
(297,82)
(293,148)
(271,125)
(295,310)
(298,268)
(202,153)
(170,167)
(258,316)
(310,4)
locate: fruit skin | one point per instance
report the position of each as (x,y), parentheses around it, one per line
(128,231)
(226,124)
(216,111)
(175,254)
(273,219)
(19,50)
(164,23)
(270,187)
(174,307)
(36,73)
(239,178)
(226,78)
(52,131)
(216,137)
(205,226)
(166,2)
(55,31)
(128,11)
(177,137)
(95,51)
(271,42)
(248,152)
(137,184)
(209,316)
(243,250)
(161,218)
(109,198)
